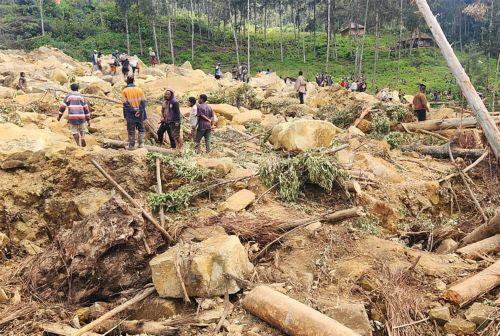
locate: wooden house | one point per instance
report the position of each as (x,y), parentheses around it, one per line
(351,29)
(417,40)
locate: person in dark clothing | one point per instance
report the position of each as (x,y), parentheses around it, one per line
(205,123)
(170,121)
(134,112)
(125,61)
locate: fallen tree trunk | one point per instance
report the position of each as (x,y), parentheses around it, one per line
(138,298)
(137,327)
(478,284)
(123,144)
(483,231)
(483,117)
(291,316)
(483,247)
(442,124)
(442,152)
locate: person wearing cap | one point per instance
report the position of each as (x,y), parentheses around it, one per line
(420,104)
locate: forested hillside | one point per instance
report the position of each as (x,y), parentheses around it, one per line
(282,35)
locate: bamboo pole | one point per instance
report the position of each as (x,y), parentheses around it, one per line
(146,214)
(485,120)
(160,191)
(138,298)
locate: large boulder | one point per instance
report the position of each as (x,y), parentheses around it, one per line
(203,265)
(6,93)
(352,315)
(226,110)
(20,146)
(247,117)
(86,81)
(221,165)
(59,76)
(301,135)
(271,120)
(187,65)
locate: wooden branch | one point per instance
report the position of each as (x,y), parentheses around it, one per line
(146,214)
(467,186)
(138,298)
(137,327)
(483,231)
(485,120)
(296,225)
(443,124)
(441,152)
(227,304)
(364,113)
(291,316)
(181,279)
(123,144)
(478,284)
(466,169)
(439,136)
(483,247)
(336,149)
(63,329)
(159,190)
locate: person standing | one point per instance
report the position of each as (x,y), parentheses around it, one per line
(78,114)
(354,86)
(125,62)
(22,83)
(193,116)
(420,104)
(170,121)
(134,112)
(206,120)
(112,63)
(134,64)
(218,72)
(93,59)
(301,87)
(152,57)
(99,61)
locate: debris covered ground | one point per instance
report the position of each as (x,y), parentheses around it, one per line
(343,204)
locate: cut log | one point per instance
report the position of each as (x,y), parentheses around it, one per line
(483,231)
(483,247)
(138,298)
(329,217)
(151,124)
(442,152)
(478,284)
(63,329)
(442,124)
(123,144)
(483,117)
(137,327)
(159,190)
(291,316)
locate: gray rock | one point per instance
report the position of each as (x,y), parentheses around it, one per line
(440,314)
(447,246)
(480,313)
(352,315)
(460,327)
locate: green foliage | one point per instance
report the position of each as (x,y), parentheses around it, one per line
(342,118)
(8,114)
(277,105)
(368,223)
(381,124)
(397,139)
(172,201)
(292,173)
(397,112)
(183,166)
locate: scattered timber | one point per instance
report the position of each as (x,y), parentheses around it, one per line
(137,327)
(442,152)
(483,247)
(138,298)
(291,316)
(483,231)
(442,124)
(123,144)
(122,191)
(478,284)
(329,217)
(63,330)
(483,117)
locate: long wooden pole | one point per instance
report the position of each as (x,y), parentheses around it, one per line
(488,125)
(159,190)
(114,311)
(122,191)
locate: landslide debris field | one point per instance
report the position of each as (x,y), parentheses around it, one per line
(303,217)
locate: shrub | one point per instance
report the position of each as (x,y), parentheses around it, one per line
(381,124)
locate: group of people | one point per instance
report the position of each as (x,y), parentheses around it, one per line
(201,118)
(129,64)
(324,80)
(357,85)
